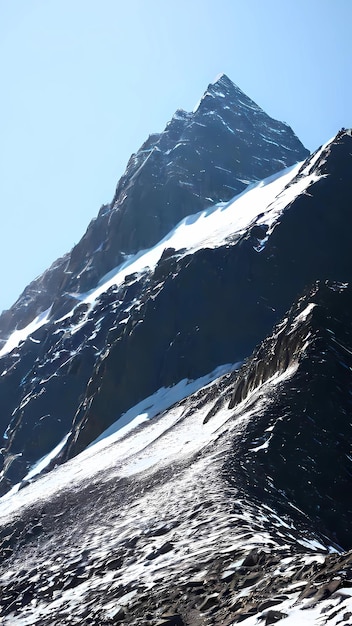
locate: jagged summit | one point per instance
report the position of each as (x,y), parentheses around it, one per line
(223,88)
(222,84)
(221,76)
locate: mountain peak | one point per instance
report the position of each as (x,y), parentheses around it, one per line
(226,93)
(221,78)
(199,159)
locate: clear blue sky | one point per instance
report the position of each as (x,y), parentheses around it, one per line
(84,82)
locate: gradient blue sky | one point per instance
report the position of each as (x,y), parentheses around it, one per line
(84,82)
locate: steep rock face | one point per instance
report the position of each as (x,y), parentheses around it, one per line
(301,437)
(199,159)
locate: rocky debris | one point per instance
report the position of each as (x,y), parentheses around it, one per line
(164,548)
(172,619)
(296,452)
(179,545)
(272,617)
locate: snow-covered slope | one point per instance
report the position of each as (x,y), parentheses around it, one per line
(261,204)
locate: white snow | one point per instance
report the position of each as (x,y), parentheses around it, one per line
(172,436)
(135,446)
(45,460)
(20,335)
(311,544)
(329,611)
(263,446)
(217,78)
(274,143)
(163,399)
(304,314)
(38,467)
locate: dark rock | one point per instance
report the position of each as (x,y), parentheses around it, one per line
(114,563)
(211,600)
(119,616)
(268,603)
(255,557)
(166,547)
(170,620)
(274,616)
(320,344)
(36,530)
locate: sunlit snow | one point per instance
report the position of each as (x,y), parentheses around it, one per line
(163,399)
(20,335)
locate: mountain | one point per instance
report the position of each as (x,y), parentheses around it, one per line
(51,378)
(200,158)
(176,391)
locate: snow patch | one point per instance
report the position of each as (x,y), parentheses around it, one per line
(20,335)
(45,460)
(160,401)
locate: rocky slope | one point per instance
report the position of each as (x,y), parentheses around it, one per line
(174,525)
